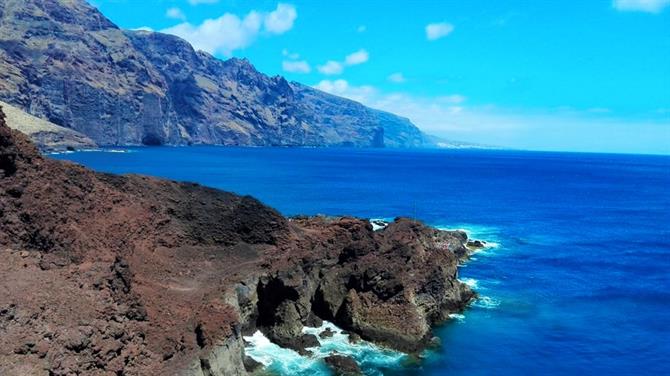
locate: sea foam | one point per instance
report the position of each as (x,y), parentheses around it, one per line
(380,223)
(283,361)
(471,282)
(457,316)
(486,302)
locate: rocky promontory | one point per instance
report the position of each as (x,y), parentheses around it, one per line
(131,275)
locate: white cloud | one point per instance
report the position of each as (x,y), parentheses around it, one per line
(550,129)
(358,57)
(397,78)
(281,19)
(331,67)
(343,89)
(289,54)
(224,34)
(300,66)
(453,98)
(197,2)
(424,111)
(337,67)
(650,6)
(436,31)
(175,13)
(143,28)
(599,110)
(229,32)
(337,87)
(362,29)
(430,114)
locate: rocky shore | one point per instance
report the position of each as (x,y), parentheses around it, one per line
(130,275)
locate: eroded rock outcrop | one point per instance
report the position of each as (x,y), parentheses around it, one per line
(388,286)
(130,275)
(343,365)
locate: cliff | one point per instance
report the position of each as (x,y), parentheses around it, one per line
(47,136)
(63,61)
(130,275)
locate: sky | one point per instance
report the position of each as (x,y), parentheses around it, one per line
(576,75)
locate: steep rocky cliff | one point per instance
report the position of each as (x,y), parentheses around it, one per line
(130,275)
(63,61)
(49,137)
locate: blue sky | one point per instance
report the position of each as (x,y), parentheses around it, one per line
(543,75)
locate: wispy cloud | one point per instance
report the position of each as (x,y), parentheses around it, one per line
(435,31)
(298,66)
(291,55)
(428,113)
(450,117)
(342,88)
(230,32)
(358,57)
(397,78)
(175,13)
(198,2)
(332,67)
(649,6)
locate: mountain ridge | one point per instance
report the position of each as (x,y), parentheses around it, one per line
(65,62)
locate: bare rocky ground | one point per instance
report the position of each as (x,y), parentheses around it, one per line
(130,275)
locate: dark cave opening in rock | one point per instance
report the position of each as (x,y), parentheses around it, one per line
(270,296)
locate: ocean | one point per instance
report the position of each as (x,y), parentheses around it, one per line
(578,281)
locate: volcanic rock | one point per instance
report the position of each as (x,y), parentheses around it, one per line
(134,275)
(327,333)
(343,365)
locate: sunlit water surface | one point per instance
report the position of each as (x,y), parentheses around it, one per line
(579,282)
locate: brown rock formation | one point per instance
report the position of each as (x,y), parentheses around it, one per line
(343,365)
(131,275)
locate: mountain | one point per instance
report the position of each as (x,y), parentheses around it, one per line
(63,61)
(130,275)
(48,136)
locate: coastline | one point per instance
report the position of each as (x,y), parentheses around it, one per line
(372,357)
(554,268)
(256,270)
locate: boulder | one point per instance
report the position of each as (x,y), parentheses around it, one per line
(327,333)
(343,365)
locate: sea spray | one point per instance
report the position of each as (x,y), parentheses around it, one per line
(471,282)
(491,234)
(372,358)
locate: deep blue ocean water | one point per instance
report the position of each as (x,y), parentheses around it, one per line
(580,282)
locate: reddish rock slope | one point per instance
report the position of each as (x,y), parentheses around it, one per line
(131,275)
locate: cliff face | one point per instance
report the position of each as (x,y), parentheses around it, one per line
(104,274)
(63,61)
(48,136)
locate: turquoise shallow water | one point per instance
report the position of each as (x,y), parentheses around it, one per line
(580,281)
